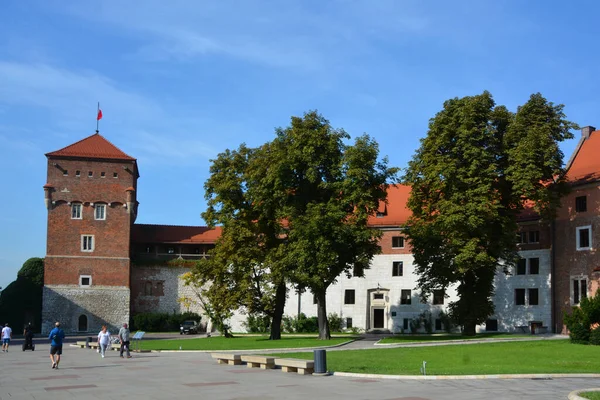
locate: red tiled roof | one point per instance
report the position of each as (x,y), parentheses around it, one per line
(585,166)
(143,233)
(395,211)
(95,146)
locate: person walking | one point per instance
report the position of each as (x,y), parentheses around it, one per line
(6,336)
(103,340)
(28,335)
(57,336)
(124,339)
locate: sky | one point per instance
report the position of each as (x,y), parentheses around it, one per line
(181,81)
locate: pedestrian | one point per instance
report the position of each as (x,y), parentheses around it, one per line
(6,336)
(103,340)
(124,339)
(56,335)
(28,335)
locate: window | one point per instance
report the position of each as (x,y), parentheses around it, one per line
(393,313)
(520,297)
(534,236)
(348,323)
(405,323)
(148,249)
(76,211)
(581,204)
(65,173)
(148,289)
(159,288)
(77,173)
(534,266)
(102,174)
(397,268)
(405,297)
(522,266)
(522,239)
(491,325)
(87,243)
(349,296)
(438,324)
(397,242)
(380,214)
(438,296)
(100,211)
(90,174)
(579,287)
(85,280)
(115,175)
(533,297)
(584,237)
(171,250)
(378,296)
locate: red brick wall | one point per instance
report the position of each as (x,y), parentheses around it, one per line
(386,243)
(111,236)
(570,261)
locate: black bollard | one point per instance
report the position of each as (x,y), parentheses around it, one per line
(320,357)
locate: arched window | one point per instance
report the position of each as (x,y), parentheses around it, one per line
(83,323)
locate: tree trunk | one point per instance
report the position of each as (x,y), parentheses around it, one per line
(469,328)
(278,312)
(324,333)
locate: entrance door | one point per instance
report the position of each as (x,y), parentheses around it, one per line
(378,318)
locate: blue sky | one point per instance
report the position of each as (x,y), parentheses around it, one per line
(181,81)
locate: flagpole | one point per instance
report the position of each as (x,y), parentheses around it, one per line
(97,119)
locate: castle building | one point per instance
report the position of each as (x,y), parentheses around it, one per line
(102,268)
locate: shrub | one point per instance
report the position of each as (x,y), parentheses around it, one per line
(300,324)
(447,322)
(257,323)
(288,324)
(415,325)
(427,322)
(595,337)
(162,322)
(335,322)
(582,318)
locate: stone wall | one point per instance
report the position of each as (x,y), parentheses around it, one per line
(102,305)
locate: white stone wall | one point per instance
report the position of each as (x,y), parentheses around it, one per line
(103,305)
(508,314)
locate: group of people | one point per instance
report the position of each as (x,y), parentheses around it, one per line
(57,336)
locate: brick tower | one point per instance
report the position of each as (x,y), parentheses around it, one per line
(90,195)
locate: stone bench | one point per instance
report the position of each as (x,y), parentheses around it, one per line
(302,367)
(94,345)
(225,358)
(262,362)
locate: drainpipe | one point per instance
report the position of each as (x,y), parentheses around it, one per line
(553,274)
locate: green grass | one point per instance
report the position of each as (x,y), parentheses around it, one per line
(239,343)
(590,395)
(447,336)
(547,356)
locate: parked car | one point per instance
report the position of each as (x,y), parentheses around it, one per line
(189,327)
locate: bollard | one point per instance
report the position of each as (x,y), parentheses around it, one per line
(320,357)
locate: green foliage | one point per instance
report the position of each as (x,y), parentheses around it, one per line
(300,324)
(21,300)
(33,270)
(447,322)
(415,324)
(336,323)
(468,180)
(426,318)
(582,318)
(595,337)
(162,322)
(256,323)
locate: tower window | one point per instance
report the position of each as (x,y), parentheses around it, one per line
(534,236)
(397,268)
(65,173)
(102,174)
(87,242)
(90,174)
(115,175)
(77,173)
(581,204)
(397,242)
(76,211)
(100,211)
(85,280)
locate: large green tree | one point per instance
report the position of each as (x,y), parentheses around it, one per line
(473,174)
(21,300)
(326,190)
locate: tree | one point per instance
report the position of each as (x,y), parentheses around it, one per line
(326,190)
(469,183)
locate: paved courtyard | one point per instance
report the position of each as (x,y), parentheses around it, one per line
(84,374)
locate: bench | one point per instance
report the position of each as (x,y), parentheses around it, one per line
(224,358)
(303,367)
(262,362)
(94,345)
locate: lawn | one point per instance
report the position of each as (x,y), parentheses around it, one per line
(446,336)
(590,395)
(546,356)
(240,343)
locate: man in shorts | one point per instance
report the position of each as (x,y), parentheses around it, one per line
(56,335)
(6,336)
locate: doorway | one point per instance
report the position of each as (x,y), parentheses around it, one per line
(83,323)
(378,318)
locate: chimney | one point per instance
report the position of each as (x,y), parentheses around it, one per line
(586,131)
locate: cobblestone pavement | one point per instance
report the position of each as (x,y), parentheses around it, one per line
(83,374)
